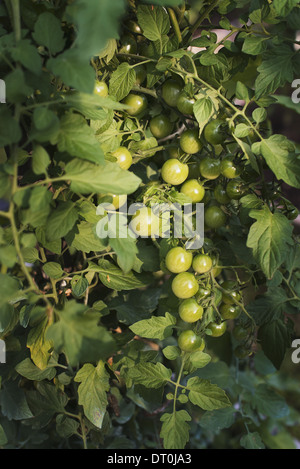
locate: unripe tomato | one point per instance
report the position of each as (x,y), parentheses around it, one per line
(161,126)
(229,169)
(175,152)
(101,89)
(117,201)
(178,260)
(203,293)
(202,263)
(170,92)
(124,158)
(137,104)
(235,189)
(134,27)
(221,195)
(215,132)
(240,333)
(229,311)
(145,223)
(189,341)
(242,352)
(190,311)
(231,294)
(128,44)
(174,172)
(185,285)
(214,217)
(193,190)
(210,168)
(185,104)
(190,142)
(194,172)
(217,329)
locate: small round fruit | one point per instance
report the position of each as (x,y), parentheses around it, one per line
(214,217)
(101,89)
(202,263)
(229,169)
(217,329)
(124,158)
(185,285)
(193,190)
(178,260)
(235,189)
(128,44)
(190,142)
(242,352)
(175,152)
(215,132)
(137,104)
(210,168)
(117,201)
(230,311)
(170,92)
(240,333)
(174,172)
(203,293)
(190,311)
(221,195)
(185,104)
(145,223)
(231,294)
(161,126)
(189,341)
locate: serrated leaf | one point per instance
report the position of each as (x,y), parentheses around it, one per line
(206,395)
(40,160)
(61,220)
(217,420)
(157,327)
(252,441)
(275,340)
(48,33)
(205,108)
(27,369)
(122,81)
(154,22)
(150,375)
(175,429)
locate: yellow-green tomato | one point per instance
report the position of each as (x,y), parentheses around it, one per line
(101,89)
(193,190)
(189,341)
(178,260)
(124,158)
(145,223)
(202,263)
(174,172)
(137,104)
(190,142)
(190,310)
(185,285)
(217,329)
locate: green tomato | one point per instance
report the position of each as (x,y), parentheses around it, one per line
(229,311)
(202,263)
(220,195)
(203,293)
(117,201)
(215,132)
(145,223)
(161,126)
(193,190)
(175,152)
(190,142)
(217,329)
(137,104)
(128,44)
(174,172)
(124,158)
(185,104)
(242,352)
(235,189)
(214,217)
(231,293)
(194,172)
(210,168)
(101,89)
(189,341)
(178,260)
(170,92)
(229,169)
(190,311)
(185,285)
(240,333)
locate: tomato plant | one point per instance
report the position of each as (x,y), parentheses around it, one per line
(117,330)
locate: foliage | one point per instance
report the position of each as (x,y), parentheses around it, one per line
(91,323)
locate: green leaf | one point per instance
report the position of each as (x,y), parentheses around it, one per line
(275,340)
(175,429)
(13,402)
(113,277)
(87,178)
(279,154)
(275,70)
(269,402)
(53,270)
(206,107)
(61,220)
(40,160)
(9,288)
(284,7)
(269,238)
(89,343)
(48,33)
(150,375)
(217,420)
(40,347)
(78,139)
(252,441)
(122,81)
(27,369)
(94,384)
(287,102)
(254,45)
(154,22)
(157,327)
(83,238)
(3,438)
(66,426)
(206,395)
(27,54)
(79,285)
